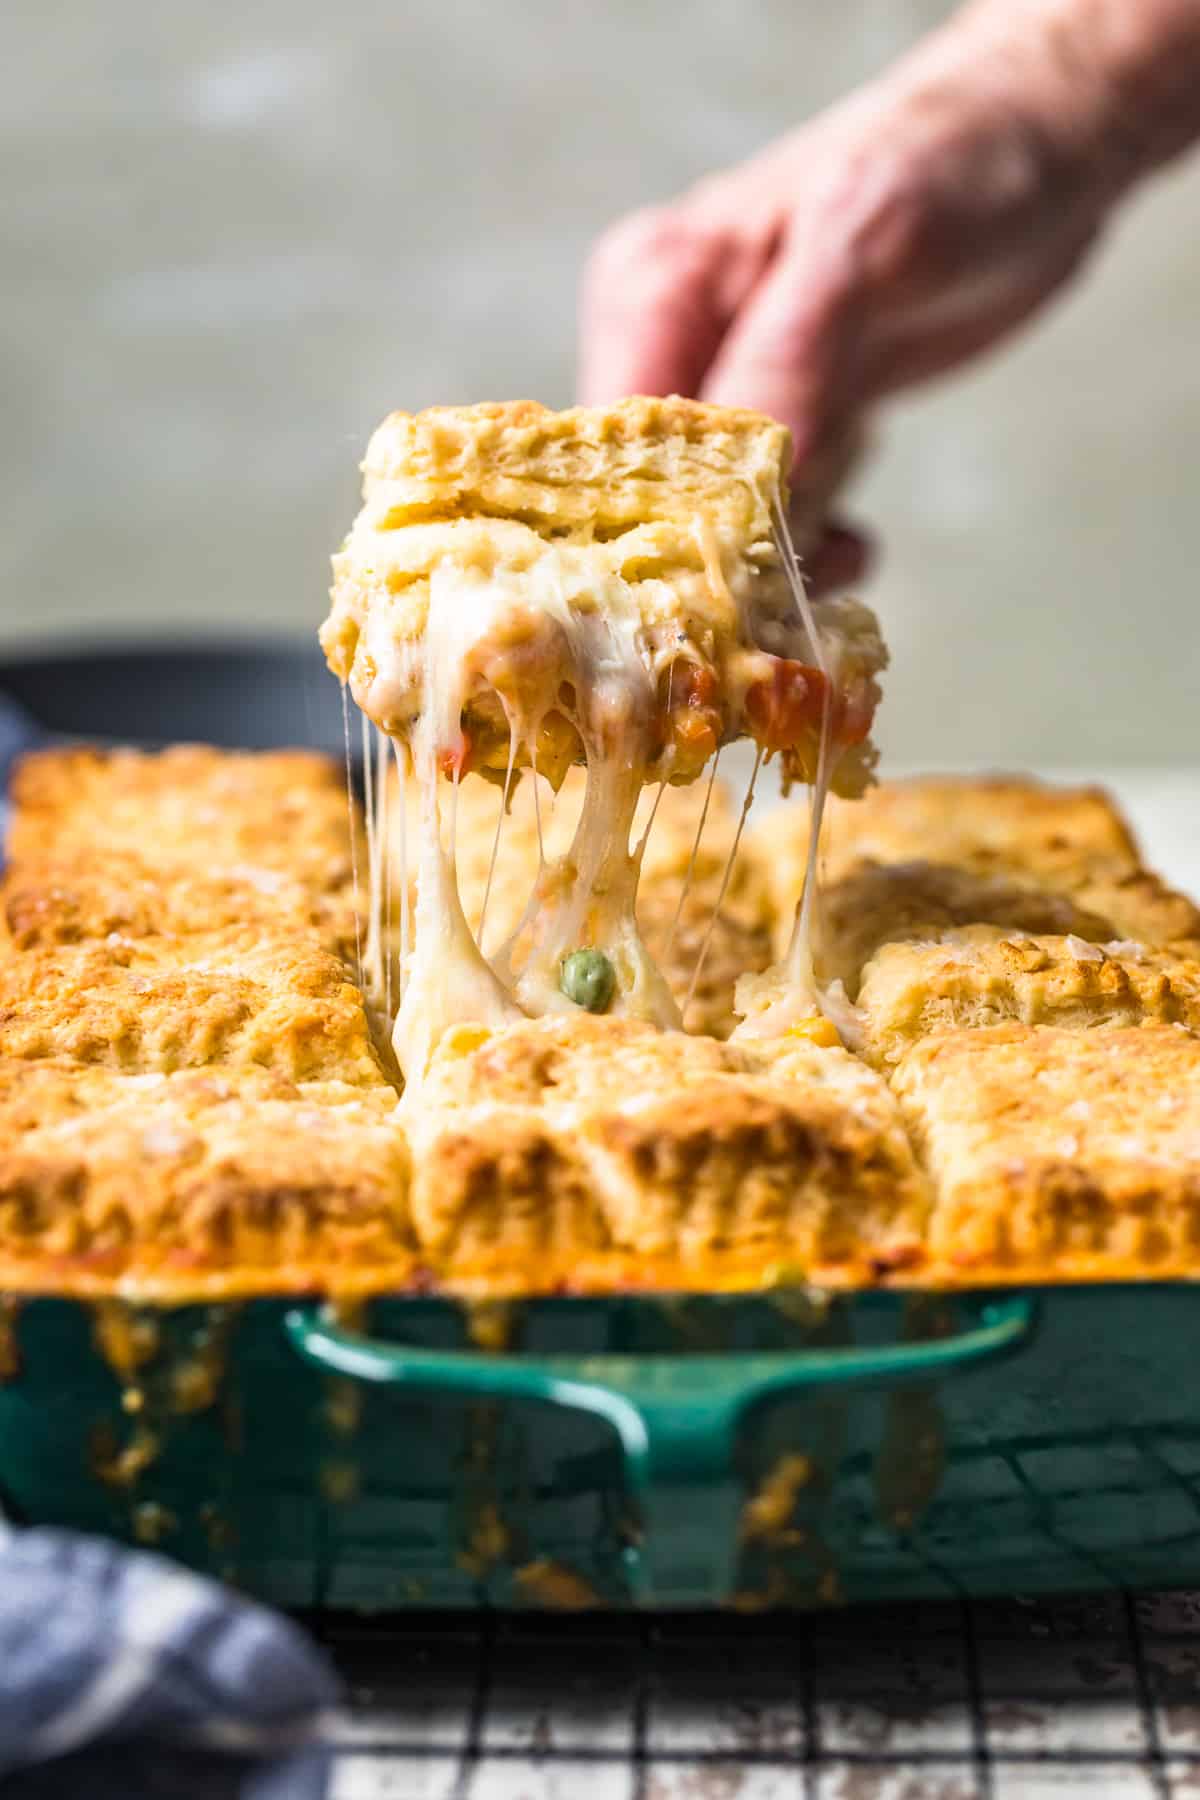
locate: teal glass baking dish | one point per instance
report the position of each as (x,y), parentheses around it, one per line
(695,1452)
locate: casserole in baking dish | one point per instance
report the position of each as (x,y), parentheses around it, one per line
(186,1120)
(694,1191)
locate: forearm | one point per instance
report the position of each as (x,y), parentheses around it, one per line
(1114,84)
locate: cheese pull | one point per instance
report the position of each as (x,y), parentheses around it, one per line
(528,589)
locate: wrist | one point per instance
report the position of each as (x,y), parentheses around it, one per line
(1112,84)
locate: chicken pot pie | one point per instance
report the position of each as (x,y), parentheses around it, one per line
(975,1058)
(616,588)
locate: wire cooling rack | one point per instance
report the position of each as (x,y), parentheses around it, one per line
(997,1698)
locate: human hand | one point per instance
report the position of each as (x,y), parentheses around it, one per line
(885,242)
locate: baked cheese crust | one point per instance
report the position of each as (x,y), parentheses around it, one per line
(189,807)
(69,900)
(912,990)
(600,1153)
(159,1004)
(1058,1155)
(211,1183)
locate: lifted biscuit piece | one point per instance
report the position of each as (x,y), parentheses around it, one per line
(200,1185)
(976,980)
(613,588)
(215,812)
(159,1004)
(546,579)
(1058,1155)
(658,1161)
(604,470)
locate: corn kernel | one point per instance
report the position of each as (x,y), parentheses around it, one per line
(817,1030)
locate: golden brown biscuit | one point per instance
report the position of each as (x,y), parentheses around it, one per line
(205,1184)
(187,807)
(1140,906)
(503,1202)
(1058,1155)
(882,903)
(911,990)
(605,468)
(159,1004)
(994,824)
(566,1060)
(93,895)
(677,1162)
(1009,827)
(804,1168)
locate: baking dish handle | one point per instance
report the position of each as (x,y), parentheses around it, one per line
(676,1417)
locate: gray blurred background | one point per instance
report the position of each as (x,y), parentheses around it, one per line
(233,238)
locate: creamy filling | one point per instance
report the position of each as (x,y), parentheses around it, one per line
(565,637)
(605,684)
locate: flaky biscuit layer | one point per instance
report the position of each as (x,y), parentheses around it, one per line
(695,1162)
(208,1183)
(912,990)
(187,808)
(1058,1155)
(163,1003)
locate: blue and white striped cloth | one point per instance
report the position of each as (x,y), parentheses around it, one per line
(123,1677)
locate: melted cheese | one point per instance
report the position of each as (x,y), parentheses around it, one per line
(483,624)
(583,899)
(597,668)
(447,981)
(779,1000)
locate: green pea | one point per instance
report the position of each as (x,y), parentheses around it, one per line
(589,979)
